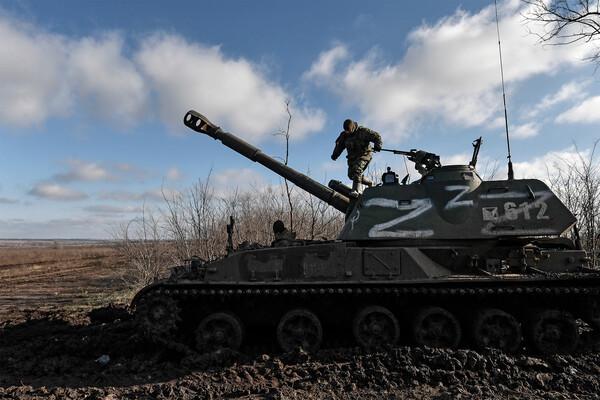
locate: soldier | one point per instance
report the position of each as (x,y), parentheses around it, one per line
(356,140)
(283,236)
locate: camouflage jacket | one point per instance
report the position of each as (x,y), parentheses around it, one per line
(357,144)
(286,234)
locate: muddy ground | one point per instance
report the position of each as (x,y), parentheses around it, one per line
(71,347)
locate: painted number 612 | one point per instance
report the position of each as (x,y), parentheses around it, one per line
(512,210)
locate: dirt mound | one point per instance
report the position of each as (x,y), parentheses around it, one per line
(49,356)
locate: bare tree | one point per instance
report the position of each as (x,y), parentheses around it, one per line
(286,134)
(566,22)
(143,247)
(577,183)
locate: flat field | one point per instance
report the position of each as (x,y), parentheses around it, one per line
(54,275)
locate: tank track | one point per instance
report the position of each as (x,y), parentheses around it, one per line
(522,297)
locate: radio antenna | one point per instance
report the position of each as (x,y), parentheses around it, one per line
(511,174)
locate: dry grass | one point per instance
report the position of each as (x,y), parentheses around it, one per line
(52,253)
(63,278)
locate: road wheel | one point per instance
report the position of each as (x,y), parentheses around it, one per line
(375,327)
(299,328)
(553,331)
(158,317)
(497,329)
(220,330)
(436,327)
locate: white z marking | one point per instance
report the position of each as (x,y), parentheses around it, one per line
(455,203)
(416,208)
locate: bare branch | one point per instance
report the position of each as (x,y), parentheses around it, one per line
(564,22)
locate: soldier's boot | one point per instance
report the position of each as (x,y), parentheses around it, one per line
(366,181)
(356,188)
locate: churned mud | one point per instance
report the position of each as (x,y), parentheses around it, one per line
(100,355)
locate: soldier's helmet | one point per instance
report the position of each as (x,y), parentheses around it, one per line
(348,125)
(278,226)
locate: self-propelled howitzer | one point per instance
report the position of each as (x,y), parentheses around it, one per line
(445,261)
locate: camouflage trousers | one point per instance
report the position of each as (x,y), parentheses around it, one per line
(356,168)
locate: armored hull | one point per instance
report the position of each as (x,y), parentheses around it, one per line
(448,261)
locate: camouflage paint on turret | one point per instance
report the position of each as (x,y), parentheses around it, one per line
(452,201)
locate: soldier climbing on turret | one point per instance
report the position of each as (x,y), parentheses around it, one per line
(356,140)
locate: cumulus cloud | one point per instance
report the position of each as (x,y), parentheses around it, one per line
(548,164)
(450,70)
(525,131)
(106,80)
(31,75)
(89,171)
(325,65)
(567,92)
(233,93)
(44,75)
(585,112)
(53,191)
(83,171)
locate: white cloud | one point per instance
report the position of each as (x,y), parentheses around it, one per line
(450,70)
(584,112)
(107,81)
(53,191)
(44,75)
(325,65)
(174,174)
(547,164)
(83,171)
(525,131)
(456,159)
(31,75)
(233,93)
(567,92)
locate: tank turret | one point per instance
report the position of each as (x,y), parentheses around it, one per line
(201,124)
(451,202)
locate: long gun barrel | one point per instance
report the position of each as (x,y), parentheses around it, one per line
(201,124)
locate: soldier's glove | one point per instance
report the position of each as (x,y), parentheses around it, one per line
(377,147)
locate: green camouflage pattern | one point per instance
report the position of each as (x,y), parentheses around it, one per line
(452,202)
(358,146)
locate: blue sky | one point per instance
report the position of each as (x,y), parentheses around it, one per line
(93,94)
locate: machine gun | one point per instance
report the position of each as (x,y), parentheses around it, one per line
(424,161)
